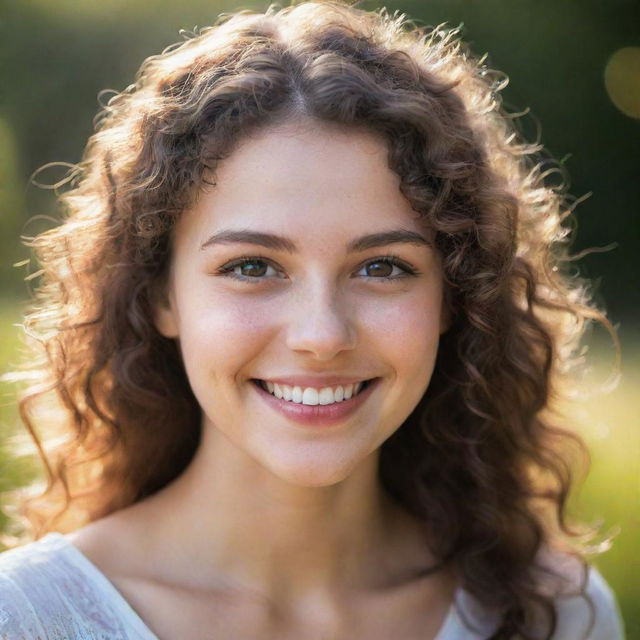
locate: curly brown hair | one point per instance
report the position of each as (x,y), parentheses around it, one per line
(481,459)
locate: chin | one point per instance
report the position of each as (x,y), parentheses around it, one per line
(315,474)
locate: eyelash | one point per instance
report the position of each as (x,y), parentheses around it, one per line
(227,269)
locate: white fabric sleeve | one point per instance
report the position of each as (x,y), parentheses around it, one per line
(575,617)
(50,591)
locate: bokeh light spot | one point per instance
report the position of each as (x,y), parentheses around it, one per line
(622,80)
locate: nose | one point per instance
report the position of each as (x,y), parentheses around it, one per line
(321,324)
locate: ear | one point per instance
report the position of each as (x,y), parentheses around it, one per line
(164,313)
(446,315)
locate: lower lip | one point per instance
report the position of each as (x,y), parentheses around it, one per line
(318,415)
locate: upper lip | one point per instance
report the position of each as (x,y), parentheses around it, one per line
(315,381)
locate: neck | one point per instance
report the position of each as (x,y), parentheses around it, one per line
(236,519)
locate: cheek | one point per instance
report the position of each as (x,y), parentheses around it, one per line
(405,335)
(220,336)
(407,329)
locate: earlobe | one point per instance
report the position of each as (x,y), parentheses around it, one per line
(164,316)
(165,321)
(445,318)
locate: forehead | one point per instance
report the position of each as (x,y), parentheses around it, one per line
(306,180)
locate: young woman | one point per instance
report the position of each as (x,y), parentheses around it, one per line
(300,332)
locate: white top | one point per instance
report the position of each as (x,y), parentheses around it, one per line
(50,591)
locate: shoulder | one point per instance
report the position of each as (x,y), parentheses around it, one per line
(48,591)
(593,615)
(30,572)
(585,604)
(20,581)
(31,578)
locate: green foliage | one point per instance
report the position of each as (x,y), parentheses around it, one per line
(16,471)
(611,493)
(11,202)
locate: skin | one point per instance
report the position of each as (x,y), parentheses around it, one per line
(284,527)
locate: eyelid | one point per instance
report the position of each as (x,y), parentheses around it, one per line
(227,268)
(394,261)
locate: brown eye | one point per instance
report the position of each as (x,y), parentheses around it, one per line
(253,269)
(386,269)
(379,269)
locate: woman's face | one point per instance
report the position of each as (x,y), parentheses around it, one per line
(306,267)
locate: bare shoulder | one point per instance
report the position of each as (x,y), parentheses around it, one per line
(113,544)
(116,546)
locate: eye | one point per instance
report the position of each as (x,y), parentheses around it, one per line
(253,269)
(387,268)
(250,268)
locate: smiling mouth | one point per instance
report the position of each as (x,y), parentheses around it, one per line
(312,397)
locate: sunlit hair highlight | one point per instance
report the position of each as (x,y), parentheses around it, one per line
(482,459)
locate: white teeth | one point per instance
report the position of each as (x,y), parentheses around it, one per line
(326,396)
(311,396)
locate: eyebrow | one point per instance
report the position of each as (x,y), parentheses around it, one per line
(280,243)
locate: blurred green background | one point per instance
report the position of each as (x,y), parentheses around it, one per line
(574,63)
